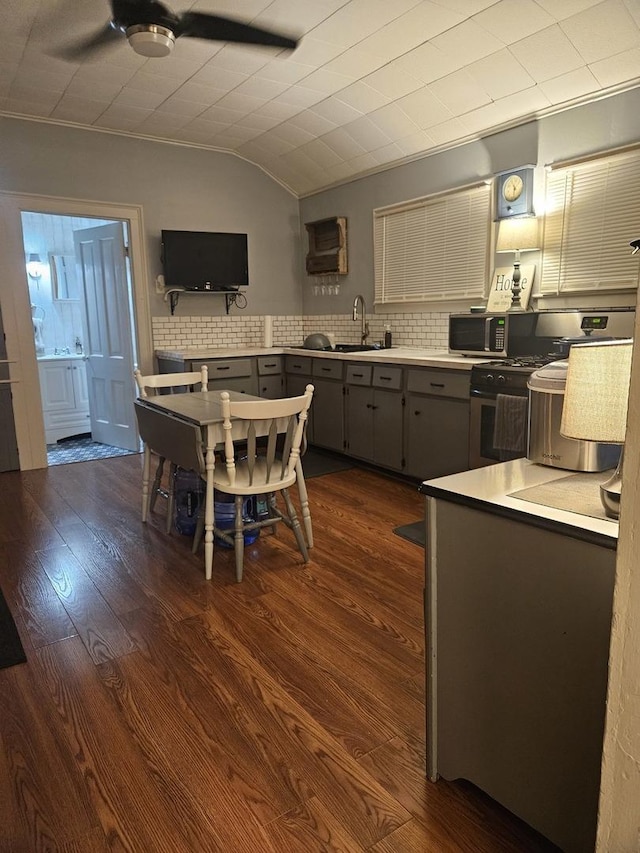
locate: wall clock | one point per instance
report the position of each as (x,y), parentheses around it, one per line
(514,193)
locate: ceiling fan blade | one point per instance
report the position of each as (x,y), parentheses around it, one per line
(127,13)
(200,25)
(104,37)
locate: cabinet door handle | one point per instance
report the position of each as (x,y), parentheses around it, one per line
(437,384)
(374,407)
(386,378)
(358,375)
(326,369)
(226,367)
(417,412)
(270,365)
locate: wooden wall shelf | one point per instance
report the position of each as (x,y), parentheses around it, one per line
(327,246)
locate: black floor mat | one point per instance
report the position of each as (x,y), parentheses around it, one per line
(315,464)
(11,651)
(413,532)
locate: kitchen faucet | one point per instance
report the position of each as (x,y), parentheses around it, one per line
(364,326)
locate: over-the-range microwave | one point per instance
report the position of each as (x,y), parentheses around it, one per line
(501,335)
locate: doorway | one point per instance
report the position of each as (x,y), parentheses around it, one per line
(15,303)
(66,306)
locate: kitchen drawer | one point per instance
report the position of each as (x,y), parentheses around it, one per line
(268,364)
(440,383)
(225,368)
(327,368)
(298,364)
(359,374)
(387,377)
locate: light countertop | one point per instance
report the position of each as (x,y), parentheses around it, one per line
(395,355)
(490,488)
(60,357)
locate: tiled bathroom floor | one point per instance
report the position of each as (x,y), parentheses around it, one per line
(81,449)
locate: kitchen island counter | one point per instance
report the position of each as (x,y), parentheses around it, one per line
(518,604)
(491,488)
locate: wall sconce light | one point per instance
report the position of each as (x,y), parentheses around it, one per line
(595,403)
(34,266)
(521,234)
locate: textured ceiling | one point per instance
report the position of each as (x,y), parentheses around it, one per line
(371,83)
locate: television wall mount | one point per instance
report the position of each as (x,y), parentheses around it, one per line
(231,297)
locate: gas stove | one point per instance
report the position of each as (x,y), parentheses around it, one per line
(508,375)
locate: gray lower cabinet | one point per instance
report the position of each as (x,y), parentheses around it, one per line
(437,423)
(270,376)
(297,377)
(328,403)
(230,374)
(325,427)
(374,410)
(359,409)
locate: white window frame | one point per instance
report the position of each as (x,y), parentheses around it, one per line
(433,249)
(591,215)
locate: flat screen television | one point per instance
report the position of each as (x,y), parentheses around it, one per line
(205,260)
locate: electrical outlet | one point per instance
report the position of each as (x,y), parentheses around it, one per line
(160,284)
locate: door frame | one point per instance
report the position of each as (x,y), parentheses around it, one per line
(16,310)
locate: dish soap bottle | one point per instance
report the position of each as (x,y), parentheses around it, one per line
(78,346)
(387,336)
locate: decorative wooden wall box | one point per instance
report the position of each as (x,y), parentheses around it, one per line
(327,246)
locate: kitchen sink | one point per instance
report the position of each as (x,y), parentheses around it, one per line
(355,347)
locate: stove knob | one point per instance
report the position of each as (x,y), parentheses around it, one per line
(489,378)
(501,380)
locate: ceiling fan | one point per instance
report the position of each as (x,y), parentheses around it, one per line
(152,29)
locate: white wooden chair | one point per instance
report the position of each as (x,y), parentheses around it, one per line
(154,383)
(251,469)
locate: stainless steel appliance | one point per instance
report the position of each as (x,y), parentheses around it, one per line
(533,332)
(551,335)
(545,445)
(499,335)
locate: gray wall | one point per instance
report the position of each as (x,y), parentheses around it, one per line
(178,188)
(605,124)
(189,188)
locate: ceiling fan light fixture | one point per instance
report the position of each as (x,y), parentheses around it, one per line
(151,40)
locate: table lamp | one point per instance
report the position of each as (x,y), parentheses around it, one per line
(595,403)
(518,234)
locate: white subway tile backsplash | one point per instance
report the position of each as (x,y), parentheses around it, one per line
(410,330)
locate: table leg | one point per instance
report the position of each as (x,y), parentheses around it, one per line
(146,467)
(210,459)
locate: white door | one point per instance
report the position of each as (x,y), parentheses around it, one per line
(102,263)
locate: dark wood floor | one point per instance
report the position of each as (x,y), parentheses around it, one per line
(161,712)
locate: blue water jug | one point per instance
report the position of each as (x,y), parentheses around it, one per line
(188,495)
(224,511)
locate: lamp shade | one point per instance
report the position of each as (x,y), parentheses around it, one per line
(518,235)
(597,391)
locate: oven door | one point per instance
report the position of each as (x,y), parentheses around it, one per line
(482,422)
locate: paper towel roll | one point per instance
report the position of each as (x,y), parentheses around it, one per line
(268,331)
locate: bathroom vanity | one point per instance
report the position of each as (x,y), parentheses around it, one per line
(65,401)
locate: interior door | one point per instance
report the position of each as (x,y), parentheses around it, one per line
(102,265)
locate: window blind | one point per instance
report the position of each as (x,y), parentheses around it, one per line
(591,216)
(433,249)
